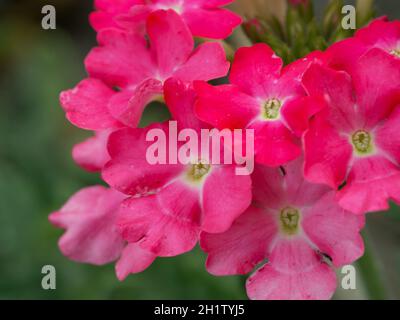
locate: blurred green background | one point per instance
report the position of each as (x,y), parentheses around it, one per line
(37,175)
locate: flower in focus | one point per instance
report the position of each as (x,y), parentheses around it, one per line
(293,225)
(353,145)
(380,33)
(264,97)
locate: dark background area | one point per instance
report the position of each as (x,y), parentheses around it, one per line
(37,175)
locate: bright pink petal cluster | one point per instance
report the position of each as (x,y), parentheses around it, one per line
(326,147)
(294,225)
(205,18)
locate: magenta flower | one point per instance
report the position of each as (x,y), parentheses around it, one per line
(205,18)
(171,203)
(107,10)
(352,145)
(262,97)
(92,236)
(380,33)
(125,61)
(294,225)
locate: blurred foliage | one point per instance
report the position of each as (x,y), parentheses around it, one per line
(302,31)
(37,175)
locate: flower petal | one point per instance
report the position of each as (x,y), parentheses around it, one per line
(128,106)
(387,136)
(211,23)
(86,105)
(122,59)
(167,223)
(242,247)
(254,70)
(225,106)
(359,197)
(92,154)
(129,169)
(275,144)
(327,154)
(206,63)
(377,83)
(295,272)
(133,260)
(226,196)
(89,218)
(171,40)
(334,231)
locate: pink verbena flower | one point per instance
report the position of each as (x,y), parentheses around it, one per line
(92,236)
(380,33)
(262,97)
(205,18)
(292,224)
(125,61)
(354,141)
(107,10)
(171,203)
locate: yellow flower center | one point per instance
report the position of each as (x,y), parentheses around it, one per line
(395,52)
(362,142)
(289,220)
(271,109)
(197,171)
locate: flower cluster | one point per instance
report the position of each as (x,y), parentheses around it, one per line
(326,147)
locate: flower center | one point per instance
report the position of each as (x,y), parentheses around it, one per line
(289,219)
(271,109)
(362,142)
(197,171)
(395,52)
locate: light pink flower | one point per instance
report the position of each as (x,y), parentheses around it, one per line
(352,145)
(92,236)
(171,203)
(264,97)
(293,225)
(205,18)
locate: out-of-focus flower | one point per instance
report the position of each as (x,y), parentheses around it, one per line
(205,18)
(352,144)
(107,10)
(91,236)
(293,224)
(264,97)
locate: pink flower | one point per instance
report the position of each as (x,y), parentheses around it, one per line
(380,33)
(92,236)
(205,18)
(171,203)
(294,225)
(262,97)
(107,10)
(125,61)
(353,145)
